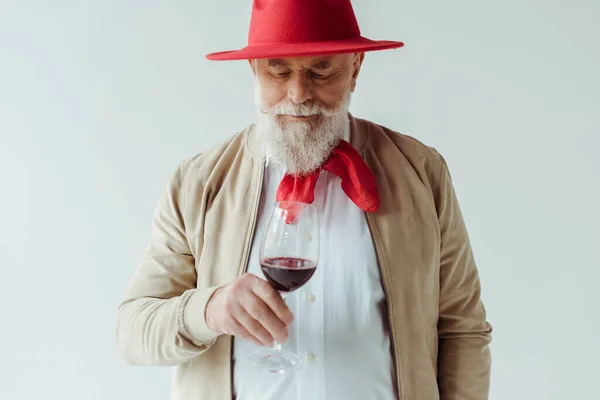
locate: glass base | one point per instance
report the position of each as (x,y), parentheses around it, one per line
(278,361)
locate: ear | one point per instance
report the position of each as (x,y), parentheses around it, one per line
(252,66)
(357,61)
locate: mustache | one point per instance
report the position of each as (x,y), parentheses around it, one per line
(305,109)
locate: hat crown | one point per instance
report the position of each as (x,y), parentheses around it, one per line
(288,21)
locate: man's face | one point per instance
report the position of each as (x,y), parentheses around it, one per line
(325,81)
(303,106)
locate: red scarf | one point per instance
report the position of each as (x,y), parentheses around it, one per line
(358,182)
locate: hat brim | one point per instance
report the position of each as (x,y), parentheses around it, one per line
(305,49)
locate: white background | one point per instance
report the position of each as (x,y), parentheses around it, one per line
(99,101)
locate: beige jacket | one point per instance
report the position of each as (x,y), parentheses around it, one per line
(202,232)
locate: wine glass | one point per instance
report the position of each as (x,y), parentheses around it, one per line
(288,258)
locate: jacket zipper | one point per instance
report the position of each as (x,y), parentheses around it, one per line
(244,266)
(386,288)
(254,219)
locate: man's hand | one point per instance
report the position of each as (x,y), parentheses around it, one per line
(251,309)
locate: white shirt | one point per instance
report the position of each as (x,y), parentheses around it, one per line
(340,318)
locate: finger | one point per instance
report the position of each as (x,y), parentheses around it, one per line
(254,328)
(263,314)
(237,329)
(273,300)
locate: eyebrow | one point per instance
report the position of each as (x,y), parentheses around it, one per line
(278,62)
(322,65)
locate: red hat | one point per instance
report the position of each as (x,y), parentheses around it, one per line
(294,28)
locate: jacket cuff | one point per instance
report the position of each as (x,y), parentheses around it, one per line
(192,321)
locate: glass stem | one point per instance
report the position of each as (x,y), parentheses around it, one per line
(276,344)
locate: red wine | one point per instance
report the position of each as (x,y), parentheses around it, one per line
(287,274)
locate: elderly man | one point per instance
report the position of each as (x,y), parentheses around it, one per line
(392,312)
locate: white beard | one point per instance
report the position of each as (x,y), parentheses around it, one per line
(301,147)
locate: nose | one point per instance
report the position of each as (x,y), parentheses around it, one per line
(299,89)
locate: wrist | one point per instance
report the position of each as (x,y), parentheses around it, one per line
(208,315)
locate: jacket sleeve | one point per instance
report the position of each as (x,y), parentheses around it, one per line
(161,318)
(464,360)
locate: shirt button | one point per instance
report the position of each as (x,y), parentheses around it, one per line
(310,297)
(311,357)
